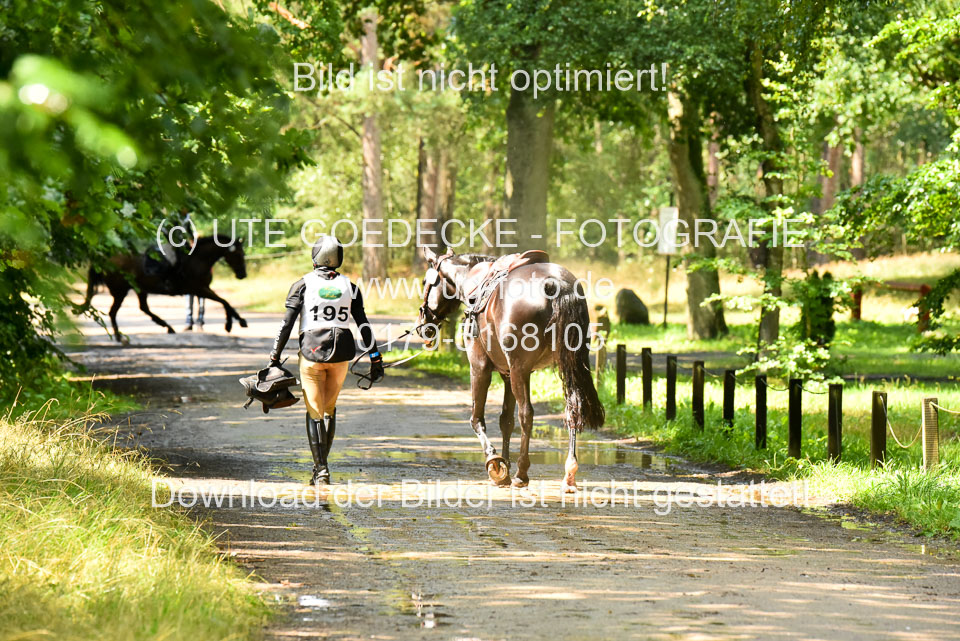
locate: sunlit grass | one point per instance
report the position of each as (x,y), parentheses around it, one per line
(83,555)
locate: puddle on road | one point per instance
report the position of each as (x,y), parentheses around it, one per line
(427,611)
(589,453)
(763,550)
(876,533)
(310,601)
(942,552)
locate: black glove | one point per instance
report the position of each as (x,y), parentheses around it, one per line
(376,367)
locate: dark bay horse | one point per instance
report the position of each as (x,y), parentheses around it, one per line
(192,276)
(537,317)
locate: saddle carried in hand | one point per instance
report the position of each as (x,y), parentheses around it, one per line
(271,386)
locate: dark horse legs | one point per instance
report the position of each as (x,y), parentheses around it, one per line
(118,296)
(506,418)
(228,308)
(146,310)
(497,468)
(520,386)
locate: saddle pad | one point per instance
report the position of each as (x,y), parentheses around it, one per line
(483,272)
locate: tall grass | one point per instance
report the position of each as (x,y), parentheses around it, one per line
(84,556)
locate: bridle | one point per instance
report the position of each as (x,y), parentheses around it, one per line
(433,279)
(427,318)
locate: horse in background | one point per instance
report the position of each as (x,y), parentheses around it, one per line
(191,275)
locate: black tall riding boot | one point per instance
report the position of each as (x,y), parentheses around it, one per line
(331,425)
(316,432)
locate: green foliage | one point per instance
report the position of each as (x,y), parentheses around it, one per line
(921,205)
(817,298)
(929,501)
(539,34)
(112,115)
(791,357)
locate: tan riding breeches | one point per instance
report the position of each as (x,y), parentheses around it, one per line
(321,383)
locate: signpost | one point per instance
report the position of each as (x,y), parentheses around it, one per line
(667,245)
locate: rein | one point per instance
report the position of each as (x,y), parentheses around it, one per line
(366,377)
(424,311)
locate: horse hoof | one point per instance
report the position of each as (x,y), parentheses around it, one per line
(498,471)
(227,328)
(569,489)
(242,322)
(519,482)
(170,330)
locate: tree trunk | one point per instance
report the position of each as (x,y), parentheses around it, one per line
(690,183)
(374,258)
(828,184)
(436,187)
(492,201)
(773,189)
(450,195)
(426,204)
(713,162)
(529,143)
(856,180)
(446,177)
(856,159)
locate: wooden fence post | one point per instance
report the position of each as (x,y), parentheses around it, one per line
(671,387)
(878,429)
(729,391)
(601,363)
(835,421)
(795,412)
(760,385)
(646,372)
(930,424)
(697,404)
(621,373)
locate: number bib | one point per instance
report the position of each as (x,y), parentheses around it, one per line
(326,303)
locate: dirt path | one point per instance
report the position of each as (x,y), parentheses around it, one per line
(499,571)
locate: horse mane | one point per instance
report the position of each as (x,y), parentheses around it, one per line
(221,240)
(469,260)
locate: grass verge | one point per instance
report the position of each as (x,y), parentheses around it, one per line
(83,554)
(928,502)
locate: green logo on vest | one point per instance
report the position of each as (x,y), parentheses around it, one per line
(329,293)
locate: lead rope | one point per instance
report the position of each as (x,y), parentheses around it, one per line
(361,377)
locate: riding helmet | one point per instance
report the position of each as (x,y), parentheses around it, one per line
(327,252)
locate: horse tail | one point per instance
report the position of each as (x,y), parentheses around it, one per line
(94,278)
(584,408)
